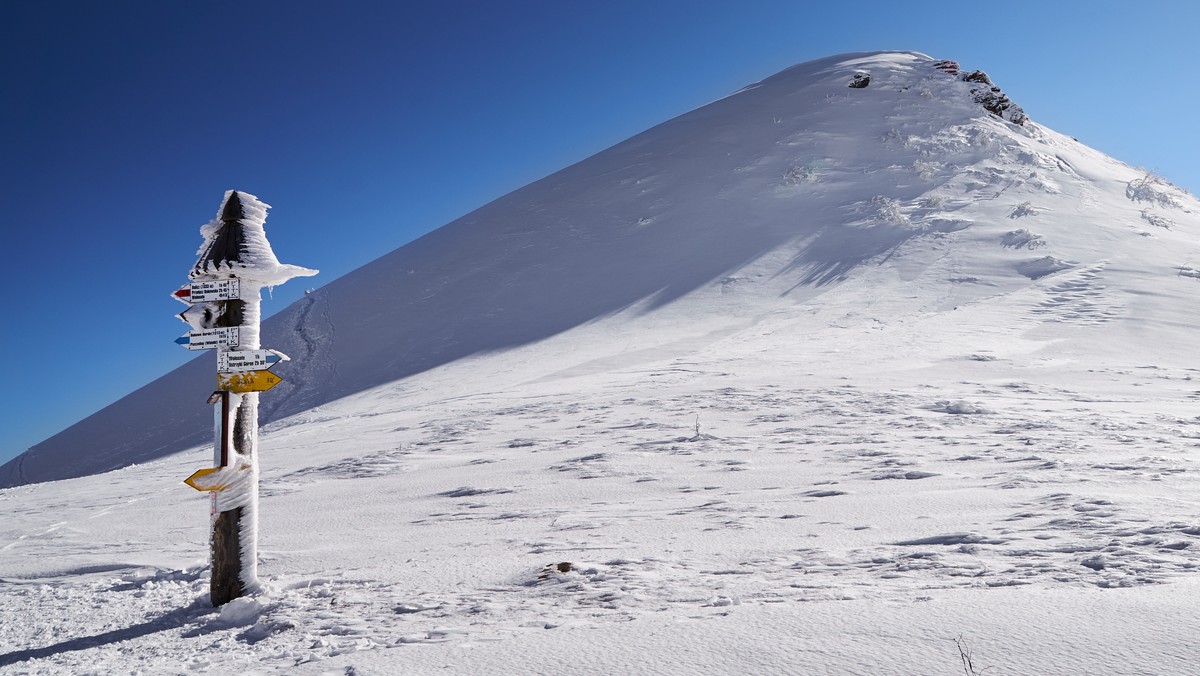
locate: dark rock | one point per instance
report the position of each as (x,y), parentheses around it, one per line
(993,100)
(977,76)
(861,80)
(553,569)
(947,66)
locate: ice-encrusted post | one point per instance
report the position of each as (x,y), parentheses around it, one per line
(235,259)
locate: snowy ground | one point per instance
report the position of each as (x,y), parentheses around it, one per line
(816,522)
(961,402)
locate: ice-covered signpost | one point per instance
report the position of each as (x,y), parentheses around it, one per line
(235,263)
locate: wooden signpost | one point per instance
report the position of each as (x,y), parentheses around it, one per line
(236,261)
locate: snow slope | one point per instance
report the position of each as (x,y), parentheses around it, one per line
(778,190)
(810,380)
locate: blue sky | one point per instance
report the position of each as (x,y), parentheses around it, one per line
(367,124)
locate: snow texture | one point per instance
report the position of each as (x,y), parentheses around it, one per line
(681,409)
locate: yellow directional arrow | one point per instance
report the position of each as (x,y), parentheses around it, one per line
(216,478)
(249,381)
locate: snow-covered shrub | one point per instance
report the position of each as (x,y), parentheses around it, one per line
(1023,209)
(960,407)
(795,175)
(1022,239)
(887,210)
(1154,189)
(932,202)
(1156,220)
(927,170)
(983,138)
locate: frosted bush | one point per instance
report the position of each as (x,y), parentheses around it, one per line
(1022,239)
(925,169)
(933,202)
(1023,209)
(796,175)
(1154,189)
(960,407)
(1156,220)
(980,137)
(887,210)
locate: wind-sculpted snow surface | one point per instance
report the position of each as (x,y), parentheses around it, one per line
(773,512)
(779,386)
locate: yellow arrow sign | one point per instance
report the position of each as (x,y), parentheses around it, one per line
(216,478)
(249,381)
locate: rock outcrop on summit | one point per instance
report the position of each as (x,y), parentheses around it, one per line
(993,99)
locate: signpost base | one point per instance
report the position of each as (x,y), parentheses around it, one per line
(226,584)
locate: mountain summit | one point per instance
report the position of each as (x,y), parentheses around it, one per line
(886,195)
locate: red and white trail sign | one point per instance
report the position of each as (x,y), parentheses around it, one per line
(208,291)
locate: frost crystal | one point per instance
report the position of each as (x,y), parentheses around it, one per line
(235,245)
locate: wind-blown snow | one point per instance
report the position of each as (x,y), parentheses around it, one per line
(810,380)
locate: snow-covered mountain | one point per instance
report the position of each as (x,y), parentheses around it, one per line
(752,205)
(809,380)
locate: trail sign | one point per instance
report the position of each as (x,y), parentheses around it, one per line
(207,339)
(250,381)
(240,361)
(205,292)
(217,478)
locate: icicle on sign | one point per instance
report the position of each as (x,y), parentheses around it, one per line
(235,262)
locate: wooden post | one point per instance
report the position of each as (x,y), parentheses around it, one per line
(227,580)
(224,310)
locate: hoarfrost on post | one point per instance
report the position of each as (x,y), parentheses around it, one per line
(257,262)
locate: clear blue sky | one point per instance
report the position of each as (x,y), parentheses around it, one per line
(367,124)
